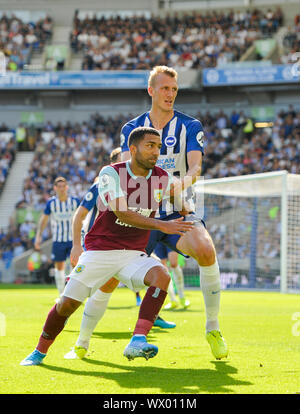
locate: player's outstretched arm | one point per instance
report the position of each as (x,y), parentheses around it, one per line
(177,226)
(78,219)
(194,160)
(176,197)
(41,227)
(178,186)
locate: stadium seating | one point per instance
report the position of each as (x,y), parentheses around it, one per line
(78,150)
(263,150)
(191,41)
(291,42)
(19,38)
(7,153)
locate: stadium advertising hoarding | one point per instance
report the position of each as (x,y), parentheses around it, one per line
(240,75)
(74,80)
(255,75)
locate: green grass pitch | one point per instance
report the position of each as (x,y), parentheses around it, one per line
(263,340)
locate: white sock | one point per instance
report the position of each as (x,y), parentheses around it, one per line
(179,280)
(211,288)
(94,309)
(171,291)
(59,280)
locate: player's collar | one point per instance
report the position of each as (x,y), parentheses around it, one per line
(150,122)
(134,176)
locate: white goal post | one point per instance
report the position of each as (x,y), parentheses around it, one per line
(254,221)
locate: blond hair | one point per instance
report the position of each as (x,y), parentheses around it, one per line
(161,69)
(114,154)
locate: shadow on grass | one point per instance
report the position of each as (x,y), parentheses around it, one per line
(167,380)
(121,335)
(182,310)
(24,286)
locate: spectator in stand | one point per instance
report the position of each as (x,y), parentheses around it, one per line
(18,39)
(291,43)
(7,156)
(268,150)
(191,41)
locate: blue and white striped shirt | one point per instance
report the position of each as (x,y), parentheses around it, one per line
(61,213)
(90,203)
(181,135)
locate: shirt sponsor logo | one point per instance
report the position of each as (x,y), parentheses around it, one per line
(166,163)
(143,211)
(63,216)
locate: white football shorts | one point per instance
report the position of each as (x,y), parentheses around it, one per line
(95,268)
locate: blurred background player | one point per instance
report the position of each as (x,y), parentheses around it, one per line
(169,258)
(181,155)
(61,209)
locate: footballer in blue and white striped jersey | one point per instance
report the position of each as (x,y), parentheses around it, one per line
(60,209)
(180,135)
(182,146)
(90,203)
(61,214)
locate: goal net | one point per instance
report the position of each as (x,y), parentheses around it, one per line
(254,221)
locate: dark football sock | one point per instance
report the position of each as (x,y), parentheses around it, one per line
(150,307)
(53,326)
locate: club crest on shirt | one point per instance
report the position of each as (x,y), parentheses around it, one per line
(170,141)
(158,195)
(89,196)
(104,180)
(79,268)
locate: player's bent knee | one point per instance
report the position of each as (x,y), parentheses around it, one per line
(173,264)
(165,276)
(60,265)
(110,286)
(163,280)
(66,306)
(158,276)
(205,254)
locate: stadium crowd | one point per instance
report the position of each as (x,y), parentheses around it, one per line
(291,42)
(252,151)
(8,150)
(19,39)
(189,41)
(268,241)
